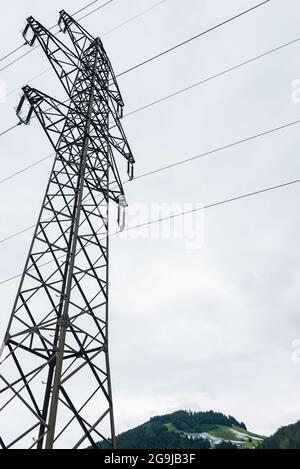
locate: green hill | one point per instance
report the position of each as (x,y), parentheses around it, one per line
(285,438)
(188,430)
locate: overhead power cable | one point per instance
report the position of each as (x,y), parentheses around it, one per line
(216,204)
(183,43)
(174,47)
(9,129)
(222,148)
(15,90)
(194,85)
(179,45)
(52,27)
(105,34)
(94,11)
(85,7)
(213,77)
(19,58)
(12,52)
(25,169)
(205,207)
(133,18)
(178,163)
(17,234)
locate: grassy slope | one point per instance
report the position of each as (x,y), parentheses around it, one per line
(242,430)
(222,431)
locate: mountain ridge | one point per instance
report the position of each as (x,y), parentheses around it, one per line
(203,430)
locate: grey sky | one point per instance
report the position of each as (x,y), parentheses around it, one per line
(194,329)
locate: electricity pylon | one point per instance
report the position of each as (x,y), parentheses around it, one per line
(55,384)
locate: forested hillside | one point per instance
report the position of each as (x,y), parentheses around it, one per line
(285,438)
(188,430)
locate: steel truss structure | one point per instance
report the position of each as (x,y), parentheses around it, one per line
(55,385)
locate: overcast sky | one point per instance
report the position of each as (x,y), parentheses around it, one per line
(200,329)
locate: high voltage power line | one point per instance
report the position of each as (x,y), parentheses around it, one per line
(172,95)
(9,129)
(187,41)
(93,11)
(52,27)
(216,204)
(181,44)
(105,34)
(175,94)
(85,7)
(26,168)
(164,99)
(85,16)
(12,52)
(198,209)
(134,17)
(212,77)
(172,165)
(194,85)
(223,23)
(36,47)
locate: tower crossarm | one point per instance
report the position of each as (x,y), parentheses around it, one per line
(66,60)
(63,60)
(81,39)
(74,69)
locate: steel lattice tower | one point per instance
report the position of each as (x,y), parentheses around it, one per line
(55,386)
